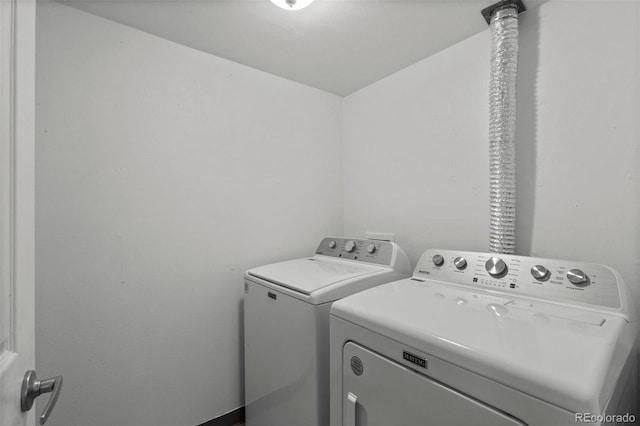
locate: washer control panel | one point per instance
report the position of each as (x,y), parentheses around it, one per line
(556,280)
(370,251)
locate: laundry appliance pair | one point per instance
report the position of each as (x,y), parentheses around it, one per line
(469,338)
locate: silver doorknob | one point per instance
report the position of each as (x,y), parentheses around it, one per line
(33,388)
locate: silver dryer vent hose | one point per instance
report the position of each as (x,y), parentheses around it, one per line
(502,130)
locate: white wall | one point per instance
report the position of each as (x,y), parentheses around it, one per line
(416,142)
(162,174)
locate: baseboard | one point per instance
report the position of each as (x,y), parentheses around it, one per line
(231,418)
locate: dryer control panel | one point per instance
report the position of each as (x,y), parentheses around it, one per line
(549,279)
(370,251)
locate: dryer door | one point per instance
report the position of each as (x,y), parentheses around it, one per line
(379,391)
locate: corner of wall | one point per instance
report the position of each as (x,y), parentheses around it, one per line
(342,155)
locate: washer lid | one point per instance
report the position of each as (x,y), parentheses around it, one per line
(311,274)
(566,356)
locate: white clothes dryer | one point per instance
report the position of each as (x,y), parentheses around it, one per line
(485,339)
(286,325)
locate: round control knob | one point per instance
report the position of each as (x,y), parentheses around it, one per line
(350,246)
(438,260)
(332,244)
(540,273)
(496,267)
(460,262)
(577,277)
(371,248)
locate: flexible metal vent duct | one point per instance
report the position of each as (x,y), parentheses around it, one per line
(502,129)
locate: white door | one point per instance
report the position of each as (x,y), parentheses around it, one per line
(17,66)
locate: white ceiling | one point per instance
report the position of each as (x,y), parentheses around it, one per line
(335,45)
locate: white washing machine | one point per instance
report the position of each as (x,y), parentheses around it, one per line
(485,339)
(286,325)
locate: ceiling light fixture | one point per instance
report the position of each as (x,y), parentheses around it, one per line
(292,4)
